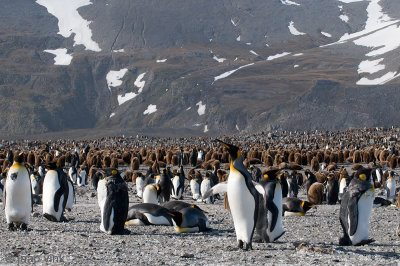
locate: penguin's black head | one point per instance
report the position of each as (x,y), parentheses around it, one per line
(10,156)
(234,151)
(19,158)
(305,205)
(363,174)
(52,165)
(271,174)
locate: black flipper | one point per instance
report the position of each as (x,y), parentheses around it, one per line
(57,198)
(275,212)
(352,210)
(107,213)
(143,218)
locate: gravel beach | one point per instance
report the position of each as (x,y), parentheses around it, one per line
(312,239)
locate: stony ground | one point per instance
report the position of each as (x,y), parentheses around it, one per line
(312,239)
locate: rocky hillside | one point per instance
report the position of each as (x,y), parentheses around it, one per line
(197,67)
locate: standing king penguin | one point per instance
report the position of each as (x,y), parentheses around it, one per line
(113,199)
(243,198)
(55,193)
(355,209)
(18,195)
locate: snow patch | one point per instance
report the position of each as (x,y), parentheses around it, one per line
(289,3)
(227,74)
(272,57)
(326,34)
(233,23)
(114,77)
(112,114)
(205,129)
(254,53)
(139,82)
(188,108)
(70,21)
(379,81)
(344,18)
(161,61)
(219,60)
(293,30)
(119,51)
(202,108)
(237,128)
(62,58)
(296,66)
(128,96)
(152,108)
(370,66)
(299,54)
(238,38)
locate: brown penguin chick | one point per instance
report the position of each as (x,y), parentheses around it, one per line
(315,193)
(314,164)
(332,167)
(135,164)
(356,167)
(321,177)
(155,168)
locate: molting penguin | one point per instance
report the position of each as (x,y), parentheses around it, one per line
(190,220)
(355,209)
(293,185)
(295,207)
(113,199)
(18,195)
(332,190)
(37,188)
(243,198)
(148,214)
(310,179)
(55,193)
(273,208)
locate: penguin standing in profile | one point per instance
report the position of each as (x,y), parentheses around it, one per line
(243,198)
(37,188)
(343,183)
(390,187)
(81,178)
(293,185)
(55,193)
(273,207)
(139,181)
(355,209)
(310,179)
(205,186)
(284,184)
(178,184)
(195,183)
(73,174)
(71,195)
(332,190)
(18,195)
(165,184)
(113,199)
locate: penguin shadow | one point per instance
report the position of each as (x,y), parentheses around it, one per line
(370,252)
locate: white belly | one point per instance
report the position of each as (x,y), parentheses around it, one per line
(150,194)
(242,206)
(195,189)
(205,186)
(364,213)
(391,185)
(50,187)
(175,183)
(157,220)
(278,230)
(139,187)
(101,200)
(72,176)
(342,185)
(18,196)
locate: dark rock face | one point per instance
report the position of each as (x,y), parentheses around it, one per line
(179,48)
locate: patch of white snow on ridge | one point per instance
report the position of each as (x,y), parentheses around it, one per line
(233,23)
(112,114)
(298,54)
(370,66)
(139,82)
(161,61)
(254,53)
(202,108)
(272,57)
(205,129)
(114,77)
(350,1)
(344,18)
(62,58)
(227,74)
(326,34)
(152,108)
(293,30)
(119,51)
(128,96)
(238,38)
(289,3)
(379,81)
(70,21)
(219,60)
(237,127)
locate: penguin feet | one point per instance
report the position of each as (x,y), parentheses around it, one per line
(11,227)
(247,246)
(63,219)
(24,227)
(50,217)
(365,242)
(344,241)
(240,244)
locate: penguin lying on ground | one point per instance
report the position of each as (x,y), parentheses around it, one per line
(190,220)
(18,195)
(148,214)
(295,207)
(379,202)
(113,199)
(355,209)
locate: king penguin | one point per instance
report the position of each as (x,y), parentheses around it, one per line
(243,198)
(139,184)
(55,193)
(178,184)
(273,207)
(355,209)
(18,195)
(113,200)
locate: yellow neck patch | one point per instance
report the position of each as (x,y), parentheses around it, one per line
(362,177)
